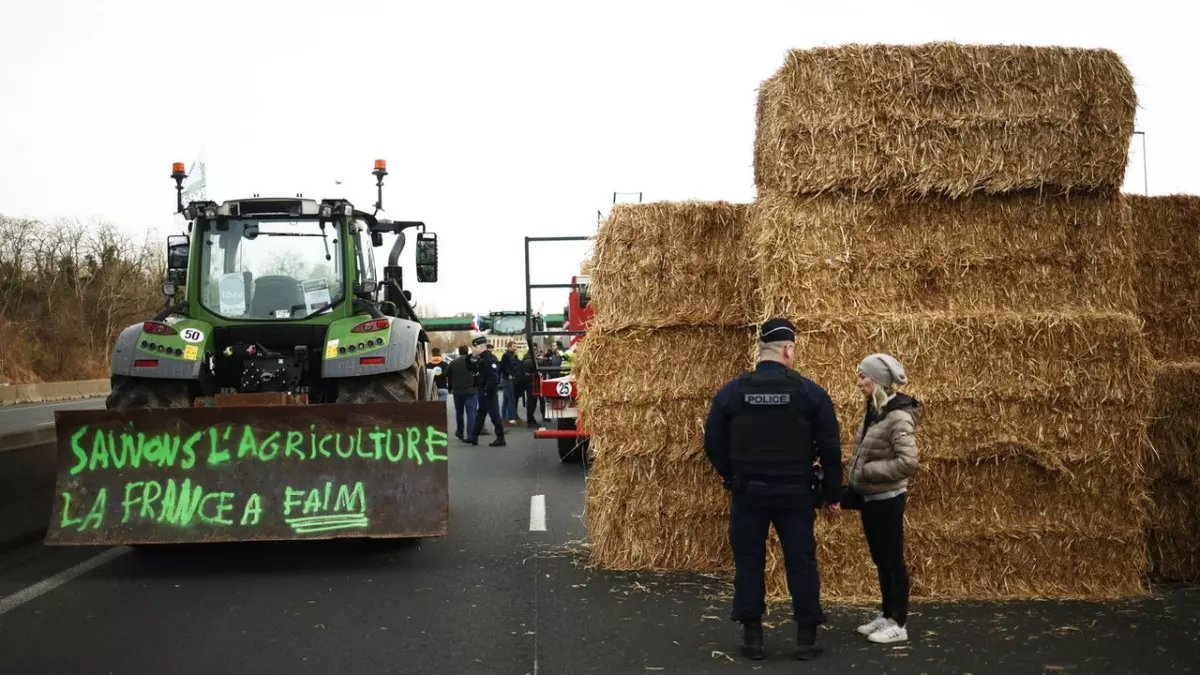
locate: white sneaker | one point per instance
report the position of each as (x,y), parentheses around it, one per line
(867,629)
(889,633)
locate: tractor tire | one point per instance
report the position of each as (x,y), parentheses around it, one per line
(135,392)
(568,448)
(402,386)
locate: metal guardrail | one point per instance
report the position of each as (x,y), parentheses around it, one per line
(52,391)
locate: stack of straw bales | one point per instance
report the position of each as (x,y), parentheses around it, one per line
(1168,236)
(672,289)
(958,207)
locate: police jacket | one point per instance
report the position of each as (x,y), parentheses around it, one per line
(487,374)
(772,423)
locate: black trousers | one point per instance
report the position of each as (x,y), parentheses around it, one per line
(755,507)
(531,400)
(489,406)
(520,393)
(883,525)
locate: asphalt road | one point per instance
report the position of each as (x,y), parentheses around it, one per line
(495,597)
(24,417)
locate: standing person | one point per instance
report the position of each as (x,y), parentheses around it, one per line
(438,365)
(884,459)
(487,380)
(529,368)
(461,380)
(521,382)
(509,365)
(764,432)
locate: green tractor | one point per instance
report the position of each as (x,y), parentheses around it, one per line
(283,396)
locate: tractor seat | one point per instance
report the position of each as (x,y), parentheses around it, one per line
(275,292)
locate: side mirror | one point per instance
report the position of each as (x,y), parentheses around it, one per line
(427,260)
(178,247)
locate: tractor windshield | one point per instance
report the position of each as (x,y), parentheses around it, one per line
(509,324)
(270,269)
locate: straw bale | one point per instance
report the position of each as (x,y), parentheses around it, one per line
(1050,357)
(1175,424)
(944,118)
(1003,491)
(1173,335)
(671,430)
(1049,430)
(840,254)
(1167,240)
(644,365)
(1173,537)
(1012,491)
(1015,563)
(1173,470)
(1013,559)
(673,263)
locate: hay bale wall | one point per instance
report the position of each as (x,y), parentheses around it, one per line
(1167,236)
(672,516)
(945,118)
(673,264)
(1019,252)
(1013,311)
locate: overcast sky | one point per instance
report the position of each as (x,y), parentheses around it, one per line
(499,120)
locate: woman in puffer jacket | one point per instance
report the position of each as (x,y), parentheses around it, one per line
(884,459)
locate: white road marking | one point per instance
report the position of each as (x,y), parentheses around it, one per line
(537,513)
(45,424)
(9,603)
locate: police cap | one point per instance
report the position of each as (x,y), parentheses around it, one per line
(481,340)
(777,330)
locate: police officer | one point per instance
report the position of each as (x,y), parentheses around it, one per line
(487,379)
(764,432)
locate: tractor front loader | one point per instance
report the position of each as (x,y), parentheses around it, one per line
(281,397)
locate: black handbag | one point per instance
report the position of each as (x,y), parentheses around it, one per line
(851,500)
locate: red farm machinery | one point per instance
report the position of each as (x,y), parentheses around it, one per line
(556,384)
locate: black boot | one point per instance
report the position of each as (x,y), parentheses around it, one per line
(499,442)
(806,643)
(752,640)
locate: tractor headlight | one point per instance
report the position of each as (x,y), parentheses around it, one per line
(326,211)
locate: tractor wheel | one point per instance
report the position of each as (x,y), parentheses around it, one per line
(403,386)
(568,450)
(136,392)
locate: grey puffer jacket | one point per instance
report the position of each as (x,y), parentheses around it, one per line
(885,447)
